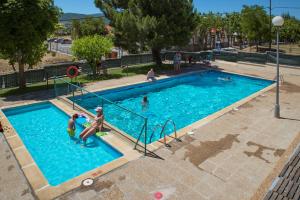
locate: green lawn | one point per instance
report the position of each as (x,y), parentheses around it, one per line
(114,73)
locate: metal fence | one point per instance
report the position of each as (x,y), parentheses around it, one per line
(50,71)
(261,58)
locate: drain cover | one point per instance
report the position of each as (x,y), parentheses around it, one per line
(87,182)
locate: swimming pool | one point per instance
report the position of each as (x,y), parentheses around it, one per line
(184,99)
(42,128)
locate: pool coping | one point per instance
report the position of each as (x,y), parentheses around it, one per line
(37,181)
(183,131)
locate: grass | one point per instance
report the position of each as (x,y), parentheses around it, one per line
(113,73)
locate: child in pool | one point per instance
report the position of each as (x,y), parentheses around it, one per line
(145,103)
(71,126)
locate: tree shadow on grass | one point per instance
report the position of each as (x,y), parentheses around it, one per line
(90,78)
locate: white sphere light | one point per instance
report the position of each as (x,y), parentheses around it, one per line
(278,21)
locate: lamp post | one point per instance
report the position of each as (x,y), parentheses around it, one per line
(277,22)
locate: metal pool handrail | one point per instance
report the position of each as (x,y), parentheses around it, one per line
(163,132)
(92,93)
(153,131)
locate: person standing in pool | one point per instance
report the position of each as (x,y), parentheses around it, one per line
(97,125)
(71,126)
(145,103)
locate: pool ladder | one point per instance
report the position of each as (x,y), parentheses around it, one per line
(163,132)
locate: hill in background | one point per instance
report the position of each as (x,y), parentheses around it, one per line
(68,17)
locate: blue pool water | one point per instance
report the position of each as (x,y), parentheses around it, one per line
(184,99)
(42,128)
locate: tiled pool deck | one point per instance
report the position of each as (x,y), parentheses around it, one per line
(236,156)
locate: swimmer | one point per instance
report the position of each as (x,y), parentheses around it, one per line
(225,79)
(97,125)
(71,126)
(145,102)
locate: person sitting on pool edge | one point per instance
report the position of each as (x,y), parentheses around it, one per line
(71,126)
(151,75)
(97,125)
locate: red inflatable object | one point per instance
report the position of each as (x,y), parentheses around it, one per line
(72,71)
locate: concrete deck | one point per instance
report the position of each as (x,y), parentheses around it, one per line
(236,156)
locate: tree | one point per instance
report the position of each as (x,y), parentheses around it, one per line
(232,25)
(290,31)
(91,49)
(255,24)
(150,24)
(87,27)
(24,26)
(36,55)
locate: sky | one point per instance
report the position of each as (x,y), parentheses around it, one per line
(88,7)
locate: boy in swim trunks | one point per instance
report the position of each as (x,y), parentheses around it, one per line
(71,126)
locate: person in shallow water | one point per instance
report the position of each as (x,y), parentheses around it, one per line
(145,102)
(71,126)
(97,125)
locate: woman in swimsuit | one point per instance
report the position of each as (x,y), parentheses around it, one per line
(97,125)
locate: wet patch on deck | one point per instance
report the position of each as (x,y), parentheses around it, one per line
(260,151)
(122,178)
(175,146)
(98,186)
(26,191)
(10,167)
(246,105)
(198,154)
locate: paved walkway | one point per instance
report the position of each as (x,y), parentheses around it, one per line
(229,158)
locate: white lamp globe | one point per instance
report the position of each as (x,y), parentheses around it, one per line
(278,21)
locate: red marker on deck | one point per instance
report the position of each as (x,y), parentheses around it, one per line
(158,195)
